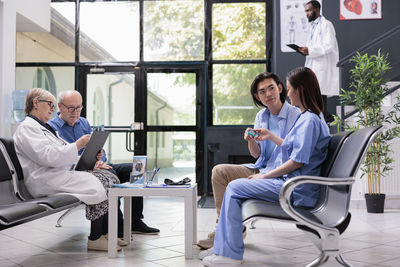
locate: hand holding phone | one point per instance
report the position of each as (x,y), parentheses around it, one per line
(253,133)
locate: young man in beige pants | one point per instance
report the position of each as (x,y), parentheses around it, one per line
(277,116)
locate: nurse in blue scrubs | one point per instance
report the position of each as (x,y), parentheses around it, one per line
(302,152)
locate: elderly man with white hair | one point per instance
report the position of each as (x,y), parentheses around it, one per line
(71,126)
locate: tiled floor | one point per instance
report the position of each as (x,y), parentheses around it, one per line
(371,240)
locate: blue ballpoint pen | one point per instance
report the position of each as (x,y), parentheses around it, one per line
(154,174)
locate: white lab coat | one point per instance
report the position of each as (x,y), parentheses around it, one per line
(46,162)
(323,56)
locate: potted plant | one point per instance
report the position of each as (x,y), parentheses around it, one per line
(368,92)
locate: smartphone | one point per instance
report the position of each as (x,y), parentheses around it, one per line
(253,133)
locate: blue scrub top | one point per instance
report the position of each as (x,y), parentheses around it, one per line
(285,119)
(307,143)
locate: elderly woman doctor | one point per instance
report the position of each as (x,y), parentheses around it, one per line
(46,161)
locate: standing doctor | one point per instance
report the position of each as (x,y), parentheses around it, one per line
(322,53)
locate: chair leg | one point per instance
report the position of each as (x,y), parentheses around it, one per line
(251,221)
(65,214)
(339,258)
(252,224)
(330,259)
(330,255)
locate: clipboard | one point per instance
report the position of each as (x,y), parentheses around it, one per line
(295,47)
(88,158)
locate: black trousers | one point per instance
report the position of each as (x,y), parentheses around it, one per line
(98,227)
(122,171)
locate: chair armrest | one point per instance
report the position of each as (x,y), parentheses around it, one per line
(288,187)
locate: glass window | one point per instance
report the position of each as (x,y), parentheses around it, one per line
(173,30)
(238,31)
(53,79)
(110,101)
(58,45)
(232,102)
(176,158)
(109,31)
(171,99)
(115,148)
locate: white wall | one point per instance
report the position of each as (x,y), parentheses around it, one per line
(7,63)
(33,15)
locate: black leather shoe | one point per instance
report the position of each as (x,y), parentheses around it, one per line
(139,227)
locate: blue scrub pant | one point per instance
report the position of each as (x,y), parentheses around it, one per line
(228,240)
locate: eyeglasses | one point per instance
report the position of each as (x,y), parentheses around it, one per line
(50,103)
(73,109)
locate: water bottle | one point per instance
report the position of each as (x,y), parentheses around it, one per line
(18,97)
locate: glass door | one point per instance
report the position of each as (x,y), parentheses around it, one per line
(172,121)
(164,99)
(109,94)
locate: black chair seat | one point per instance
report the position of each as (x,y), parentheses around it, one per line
(15,212)
(259,208)
(56,201)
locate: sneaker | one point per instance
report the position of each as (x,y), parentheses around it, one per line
(99,244)
(214,260)
(120,242)
(209,241)
(206,253)
(140,227)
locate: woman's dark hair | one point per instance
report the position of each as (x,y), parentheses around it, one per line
(304,80)
(261,77)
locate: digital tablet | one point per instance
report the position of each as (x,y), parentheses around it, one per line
(88,158)
(295,47)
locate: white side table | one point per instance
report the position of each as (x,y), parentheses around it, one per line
(190,199)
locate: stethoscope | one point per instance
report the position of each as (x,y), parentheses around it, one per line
(53,138)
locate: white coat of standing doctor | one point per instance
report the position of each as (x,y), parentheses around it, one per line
(322,53)
(46,159)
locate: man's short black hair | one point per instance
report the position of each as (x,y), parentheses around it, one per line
(261,77)
(315,4)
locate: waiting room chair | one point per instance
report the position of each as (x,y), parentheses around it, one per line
(54,203)
(330,217)
(14,211)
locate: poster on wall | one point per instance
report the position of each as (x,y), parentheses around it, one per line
(294,24)
(360,9)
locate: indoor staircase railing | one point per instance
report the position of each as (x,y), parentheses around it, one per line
(392,75)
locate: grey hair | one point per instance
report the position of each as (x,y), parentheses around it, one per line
(63,94)
(36,93)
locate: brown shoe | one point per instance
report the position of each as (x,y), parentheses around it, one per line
(208,242)
(100,244)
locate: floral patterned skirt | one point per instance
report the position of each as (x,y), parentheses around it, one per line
(93,212)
